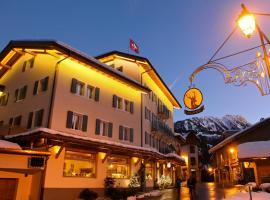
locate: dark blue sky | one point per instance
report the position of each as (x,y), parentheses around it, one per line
(176,36)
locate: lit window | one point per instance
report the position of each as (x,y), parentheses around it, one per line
(79,88)
(90,92)
(149,171)
(118,167)
(79,164)
(77,121)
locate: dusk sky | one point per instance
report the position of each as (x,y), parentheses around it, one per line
(176,36)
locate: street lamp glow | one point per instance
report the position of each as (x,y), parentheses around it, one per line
(247,24)
(231,150)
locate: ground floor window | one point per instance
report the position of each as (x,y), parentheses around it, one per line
(118,167)
(79,164)
(149,171)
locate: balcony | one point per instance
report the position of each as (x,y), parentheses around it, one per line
(163,112)
(160,127)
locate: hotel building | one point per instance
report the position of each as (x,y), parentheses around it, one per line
(96,117)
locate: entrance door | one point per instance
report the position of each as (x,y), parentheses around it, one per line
(8,188)
(249,175)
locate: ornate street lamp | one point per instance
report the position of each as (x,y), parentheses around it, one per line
(256,71)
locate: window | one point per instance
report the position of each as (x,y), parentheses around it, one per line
(192,149)
(1,123)
(77,121)
(120,69)
(118,167)
(41,85)
(17,121)
(92,92)
(146,138)
(129,106)
(20,93)
(117,102)
(4,99)
(77,87)
(149,171)
(28,64)
(192,161)
(38,118)
(103,128)
(79,164)
(147,114)
(125,133)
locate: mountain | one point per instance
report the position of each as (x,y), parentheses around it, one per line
(211,130)
(211,124)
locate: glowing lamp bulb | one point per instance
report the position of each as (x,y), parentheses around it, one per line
(247,24)
(231,150)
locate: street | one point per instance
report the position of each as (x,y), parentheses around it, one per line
(204,191)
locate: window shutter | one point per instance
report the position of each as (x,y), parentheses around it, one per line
(131,107)
(24,66)
(69,119)
(84,124)
(131,135)
(121,129)
(35,88)
(30,118)
(24,91)
(16,94)
(97,94)
(110,129)
(46,83)
(97,126)
(73,86)
(114,101)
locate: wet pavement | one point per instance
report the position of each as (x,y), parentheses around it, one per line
(204,191)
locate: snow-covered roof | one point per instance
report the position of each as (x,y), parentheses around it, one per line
(8,145)
(240,133)
(86,138)
(259,149)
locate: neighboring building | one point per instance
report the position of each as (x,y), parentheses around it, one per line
(21,171)
(190,152)
(97,117)
(244,156)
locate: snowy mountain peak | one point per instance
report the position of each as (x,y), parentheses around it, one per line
(212,124)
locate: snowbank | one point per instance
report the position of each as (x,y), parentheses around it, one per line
(8,145)
(254,149)
(265,186)
(245,196)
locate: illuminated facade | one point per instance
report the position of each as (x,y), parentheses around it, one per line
(97,117)
(241,158)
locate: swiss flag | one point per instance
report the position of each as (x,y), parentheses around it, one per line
(133,46)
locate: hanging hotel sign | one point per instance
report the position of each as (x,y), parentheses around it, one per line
(193,101)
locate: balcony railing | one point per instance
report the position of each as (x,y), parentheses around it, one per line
(163,111)
(158,126)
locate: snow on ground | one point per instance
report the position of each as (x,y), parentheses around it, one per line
(245,196)
(8,145)
(154,193)
(254,149)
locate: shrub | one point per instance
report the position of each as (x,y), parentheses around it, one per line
(87,194)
